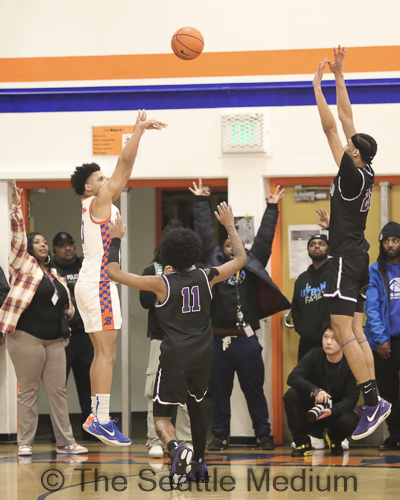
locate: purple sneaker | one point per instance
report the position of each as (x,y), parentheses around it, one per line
(181,457)
(371,418)
(198,472)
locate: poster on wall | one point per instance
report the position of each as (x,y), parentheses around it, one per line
(244,225)
(298,254)
(109,141)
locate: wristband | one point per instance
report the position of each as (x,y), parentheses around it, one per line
(314,392)
(113,255)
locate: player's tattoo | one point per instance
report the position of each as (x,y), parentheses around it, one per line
(236,242)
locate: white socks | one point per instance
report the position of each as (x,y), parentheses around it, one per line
(94,404)
(103,408)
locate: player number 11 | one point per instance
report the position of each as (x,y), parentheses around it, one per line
(187,308)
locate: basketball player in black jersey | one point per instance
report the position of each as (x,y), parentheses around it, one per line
(348,274)
(183,310)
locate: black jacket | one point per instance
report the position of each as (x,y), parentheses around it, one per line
(312,372)
(270,298)
(4,288)
(309,308)
(70,271)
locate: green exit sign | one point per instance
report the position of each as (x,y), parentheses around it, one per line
(243,133)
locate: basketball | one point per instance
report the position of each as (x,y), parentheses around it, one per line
(187,43)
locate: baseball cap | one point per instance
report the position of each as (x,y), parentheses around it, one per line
(322,237)
(59,238)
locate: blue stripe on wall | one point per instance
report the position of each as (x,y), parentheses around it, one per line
(46,100)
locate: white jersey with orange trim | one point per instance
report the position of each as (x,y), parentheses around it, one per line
(95,236)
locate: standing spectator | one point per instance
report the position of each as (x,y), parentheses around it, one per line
(4,289)
(155,332)
(383,325)
(33,317)
(323,376)
(309,312)
(237,307)
(79,351)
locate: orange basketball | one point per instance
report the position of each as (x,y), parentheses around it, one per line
(187,43)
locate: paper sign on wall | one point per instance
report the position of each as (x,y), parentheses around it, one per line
(298,253)
(109,141)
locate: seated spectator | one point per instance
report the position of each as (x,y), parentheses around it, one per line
(79,351)
(382,328)
(322,377)
(32,319)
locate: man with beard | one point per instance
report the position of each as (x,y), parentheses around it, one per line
(309,312)
(79,351)
(383,325)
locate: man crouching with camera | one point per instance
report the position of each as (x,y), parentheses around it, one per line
(323,393)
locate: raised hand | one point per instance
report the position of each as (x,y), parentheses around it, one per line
(16,194)
(320,72)
(337,65)
(224,214)
(117,230)
(151,125)
(324,218)
(278,195)
(199,190)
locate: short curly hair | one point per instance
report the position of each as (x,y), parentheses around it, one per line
(81,175)
(180,248)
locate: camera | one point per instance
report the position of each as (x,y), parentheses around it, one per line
(315,412)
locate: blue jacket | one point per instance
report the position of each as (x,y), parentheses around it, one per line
(377,327)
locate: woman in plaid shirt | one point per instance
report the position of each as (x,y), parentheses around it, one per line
(31,320)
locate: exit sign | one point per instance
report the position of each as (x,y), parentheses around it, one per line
(242,133)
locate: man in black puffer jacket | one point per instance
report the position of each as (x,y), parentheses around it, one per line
(238,305)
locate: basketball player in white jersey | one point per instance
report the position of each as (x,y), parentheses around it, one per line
(97,296)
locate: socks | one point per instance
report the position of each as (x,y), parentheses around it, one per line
(94,404)
(103,408)
(369,393)
(172,445)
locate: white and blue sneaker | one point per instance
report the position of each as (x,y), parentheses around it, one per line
(108,433)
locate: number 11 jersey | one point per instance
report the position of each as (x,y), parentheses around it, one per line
(185,319)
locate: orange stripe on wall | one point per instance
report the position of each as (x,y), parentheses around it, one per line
(122,67)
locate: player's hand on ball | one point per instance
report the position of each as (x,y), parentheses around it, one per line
(117,230)
(224,214)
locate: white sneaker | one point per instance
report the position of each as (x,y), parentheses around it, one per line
(317,443)
(345,444)
(156,451)
(72,449)
(24,450)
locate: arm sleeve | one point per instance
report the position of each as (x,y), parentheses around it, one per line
(262,245)
(351,179)
(113,256)
(301,374)
(147,299)
(203,227)
(19,244)
(350,398)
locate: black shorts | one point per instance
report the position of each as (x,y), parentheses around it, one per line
(347,284)
(172,388)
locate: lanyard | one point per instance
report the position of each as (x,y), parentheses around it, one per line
(329,387)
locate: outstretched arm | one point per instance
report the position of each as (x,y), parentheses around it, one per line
(342,96)
(225,216)
(112,190)
(154,284)
(262,245)
(327,119)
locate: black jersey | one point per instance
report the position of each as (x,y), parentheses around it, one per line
(349,211)
(186,322)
